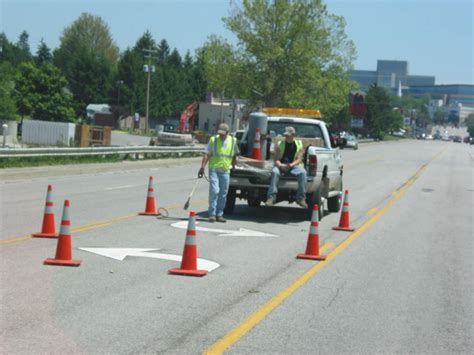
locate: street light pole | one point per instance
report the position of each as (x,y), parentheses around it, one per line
(148,56)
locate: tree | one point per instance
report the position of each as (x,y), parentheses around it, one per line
(23,47)
(439,117)
(220,66)
(8,109)
(41,93)
(470,124)
(294,53)
(88,57)
(378,108)
(43,54)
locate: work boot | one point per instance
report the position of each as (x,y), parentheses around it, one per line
(221,219)
(270,202)
(302,203)
(212,219)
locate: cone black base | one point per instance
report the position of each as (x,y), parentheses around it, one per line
(149,214)
(45,235)
(311,257)
(343,229)
(62,262)
(187,272)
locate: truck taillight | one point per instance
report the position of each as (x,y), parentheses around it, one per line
(313,165)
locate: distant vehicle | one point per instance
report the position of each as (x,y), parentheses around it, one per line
(351,142)
(429,137)
(437,135)
(399,133)
(446,138)
(457,139)
(468,139)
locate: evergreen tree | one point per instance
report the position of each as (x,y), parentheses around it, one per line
(43,54)
(23,54)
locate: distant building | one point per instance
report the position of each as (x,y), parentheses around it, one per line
(449,94)
(389,74)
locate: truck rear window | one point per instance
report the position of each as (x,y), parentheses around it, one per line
(303,130)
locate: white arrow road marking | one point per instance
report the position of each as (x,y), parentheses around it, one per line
(225,232)
(122,253)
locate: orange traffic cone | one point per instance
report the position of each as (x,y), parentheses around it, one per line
(312,245)
(344,221)
(47,229)
(256,151)
(150,208)
(189,260)
(64,248)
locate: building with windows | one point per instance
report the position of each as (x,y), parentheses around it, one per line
(390,74)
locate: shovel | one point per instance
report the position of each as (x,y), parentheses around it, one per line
(186,205)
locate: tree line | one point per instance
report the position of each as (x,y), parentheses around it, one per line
(288,54)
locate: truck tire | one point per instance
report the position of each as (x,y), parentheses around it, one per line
(316,198)
(253,201)
(230,202)
(335,203)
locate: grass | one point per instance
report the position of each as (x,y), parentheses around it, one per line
(21,162)
(388,137)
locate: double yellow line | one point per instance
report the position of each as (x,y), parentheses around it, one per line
(243,328)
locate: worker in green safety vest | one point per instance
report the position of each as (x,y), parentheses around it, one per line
(221,153)
(288,160)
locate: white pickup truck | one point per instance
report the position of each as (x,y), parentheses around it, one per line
(322,161)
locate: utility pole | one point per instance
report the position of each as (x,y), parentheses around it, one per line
(149,69)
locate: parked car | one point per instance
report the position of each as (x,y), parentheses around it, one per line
(457,139)
(468,139)
(351,142)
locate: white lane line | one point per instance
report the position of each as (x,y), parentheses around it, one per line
(121,187)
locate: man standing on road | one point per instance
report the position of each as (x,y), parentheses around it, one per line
(221,152)
(288,160)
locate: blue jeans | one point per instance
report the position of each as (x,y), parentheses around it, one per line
(218,188)
(297,171)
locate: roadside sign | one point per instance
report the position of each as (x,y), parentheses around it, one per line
(357,122)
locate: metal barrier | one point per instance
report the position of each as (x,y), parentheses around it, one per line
(36,152)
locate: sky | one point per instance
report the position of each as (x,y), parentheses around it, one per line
(436,37)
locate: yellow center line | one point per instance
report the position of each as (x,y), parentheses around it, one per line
(99,224)
(243,328)
(372,211)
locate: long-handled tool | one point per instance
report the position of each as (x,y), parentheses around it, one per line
(186,205)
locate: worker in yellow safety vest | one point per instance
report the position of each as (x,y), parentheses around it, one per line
(221,153)
(288,160)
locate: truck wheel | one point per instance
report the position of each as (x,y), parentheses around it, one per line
(253,201)
(316,198)
(230,202)
(334,203)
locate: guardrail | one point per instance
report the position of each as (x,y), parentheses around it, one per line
(136,150)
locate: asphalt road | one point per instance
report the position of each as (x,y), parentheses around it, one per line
(402,282)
